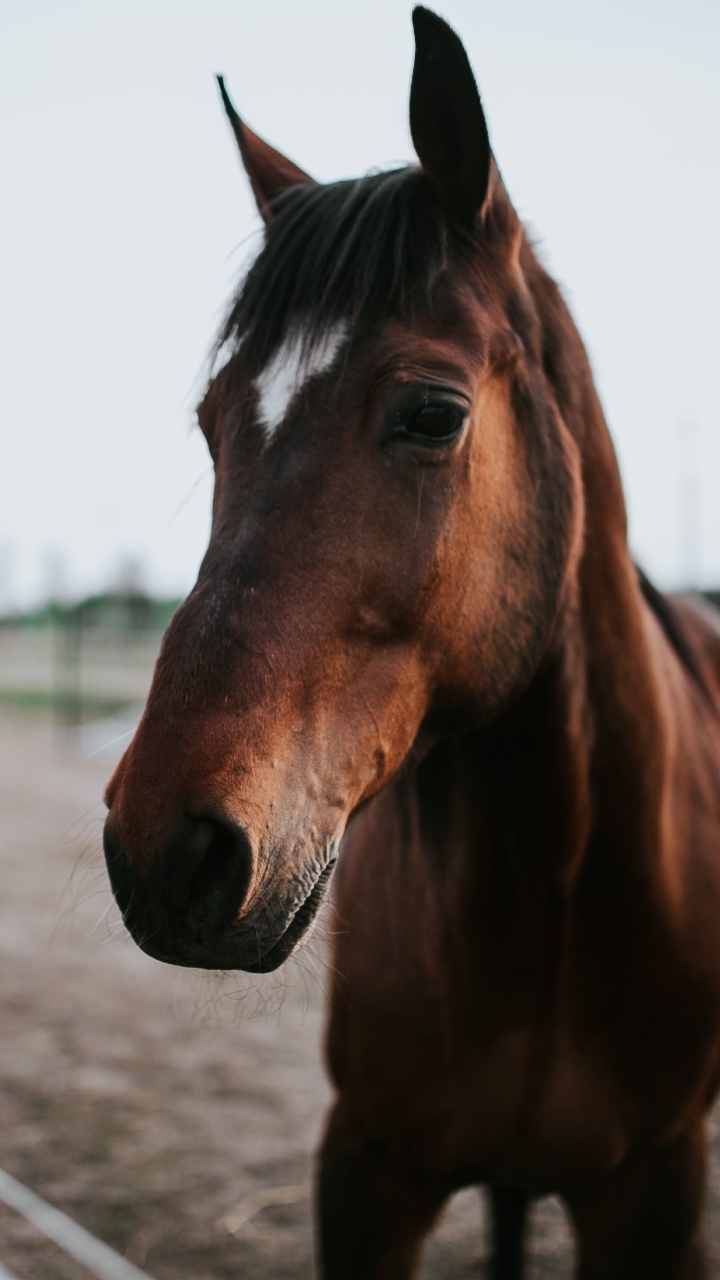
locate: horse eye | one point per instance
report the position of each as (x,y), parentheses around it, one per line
(436,422)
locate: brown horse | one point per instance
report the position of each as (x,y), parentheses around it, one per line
(418,620)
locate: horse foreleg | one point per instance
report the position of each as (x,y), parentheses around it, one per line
(643,1222)
(372,1217)
(509,1215)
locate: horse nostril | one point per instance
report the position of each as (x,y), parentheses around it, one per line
(193,887)
(207,867)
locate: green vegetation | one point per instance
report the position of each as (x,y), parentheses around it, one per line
(122,611)
(94,706)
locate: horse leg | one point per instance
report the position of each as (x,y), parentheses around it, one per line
(509,1215)
(643,1221)
(372,1217)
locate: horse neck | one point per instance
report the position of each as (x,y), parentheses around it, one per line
(589,735)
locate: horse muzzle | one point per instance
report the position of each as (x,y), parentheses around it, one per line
(191,905)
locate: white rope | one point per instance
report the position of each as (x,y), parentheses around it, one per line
(99,1258)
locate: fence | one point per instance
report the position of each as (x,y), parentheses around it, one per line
(74,1240)
(83,664)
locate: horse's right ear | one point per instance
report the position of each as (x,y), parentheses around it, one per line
(270,173)
(447,121)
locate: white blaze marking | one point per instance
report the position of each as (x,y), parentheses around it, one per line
(288,371)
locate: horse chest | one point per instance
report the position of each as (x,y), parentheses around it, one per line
(463,1085)
(562,1120)
(511,1108)
(513,1047)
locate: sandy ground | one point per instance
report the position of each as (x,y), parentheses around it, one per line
(149,1102)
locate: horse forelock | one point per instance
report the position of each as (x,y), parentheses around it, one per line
(335,259)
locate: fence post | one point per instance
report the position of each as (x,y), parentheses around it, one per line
(67,669)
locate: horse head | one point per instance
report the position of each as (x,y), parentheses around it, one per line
(398,509)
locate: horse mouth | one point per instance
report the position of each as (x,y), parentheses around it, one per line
(299,923)
(196,948)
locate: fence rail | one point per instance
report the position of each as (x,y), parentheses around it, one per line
(74,1240)
(77,672)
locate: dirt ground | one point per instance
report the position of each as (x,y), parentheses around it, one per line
(151,1103)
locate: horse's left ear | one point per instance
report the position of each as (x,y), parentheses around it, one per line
(270,173)
(447,121)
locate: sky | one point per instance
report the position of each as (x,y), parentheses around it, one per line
(126,221)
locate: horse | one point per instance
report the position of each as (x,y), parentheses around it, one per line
(418,639)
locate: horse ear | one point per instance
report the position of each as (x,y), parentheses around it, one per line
(270,173)
(447,121)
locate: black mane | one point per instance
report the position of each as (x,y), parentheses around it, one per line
(357,250)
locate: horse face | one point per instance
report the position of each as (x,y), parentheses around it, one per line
(396,507)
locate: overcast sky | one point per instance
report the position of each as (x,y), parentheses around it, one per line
(126,219)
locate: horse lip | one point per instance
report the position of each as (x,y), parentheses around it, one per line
(297,924)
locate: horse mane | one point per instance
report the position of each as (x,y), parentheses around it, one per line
(361,250)
(675,633)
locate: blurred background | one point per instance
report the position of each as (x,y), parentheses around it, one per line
(126,223)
